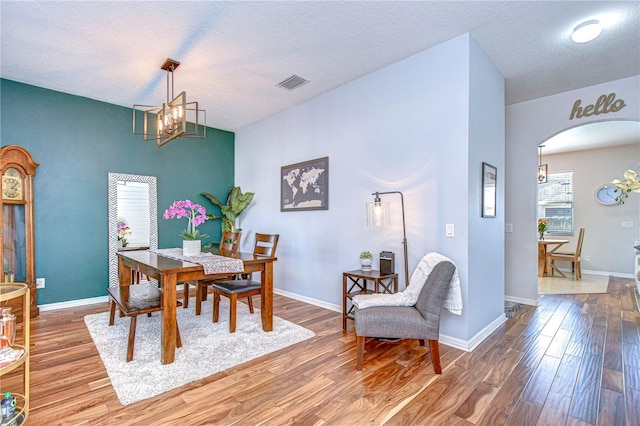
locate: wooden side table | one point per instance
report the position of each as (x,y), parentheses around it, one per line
(355,282)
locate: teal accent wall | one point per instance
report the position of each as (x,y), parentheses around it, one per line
(77,142)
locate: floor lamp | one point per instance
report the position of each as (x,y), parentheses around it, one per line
(378,215)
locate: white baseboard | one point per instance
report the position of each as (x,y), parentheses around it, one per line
(603,273)
(471,344)
(73,303)
(530,302)
(309,300)
(600,273)
(80,302)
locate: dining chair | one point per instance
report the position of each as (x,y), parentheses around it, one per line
(420,321)
(573,257)
(134,300)
(230,241)
(265,245)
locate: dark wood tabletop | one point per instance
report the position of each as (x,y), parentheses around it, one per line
(169,272)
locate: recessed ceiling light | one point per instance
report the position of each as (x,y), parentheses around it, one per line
(586,31)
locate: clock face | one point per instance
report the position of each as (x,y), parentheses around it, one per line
(607,194)
(12,185)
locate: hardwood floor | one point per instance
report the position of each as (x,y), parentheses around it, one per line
(573,360)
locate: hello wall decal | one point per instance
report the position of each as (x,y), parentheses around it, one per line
(604,105)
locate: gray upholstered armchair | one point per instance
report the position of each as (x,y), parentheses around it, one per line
(421,321)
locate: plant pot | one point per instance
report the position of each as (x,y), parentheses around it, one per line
(191,247)
(365,264)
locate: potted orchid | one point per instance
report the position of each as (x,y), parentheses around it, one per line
(123,231)
(629,185)
(196,215)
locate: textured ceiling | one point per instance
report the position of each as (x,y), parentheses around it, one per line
(234,53)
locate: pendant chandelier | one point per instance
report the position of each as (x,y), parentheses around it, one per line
(173,119)
(542,168)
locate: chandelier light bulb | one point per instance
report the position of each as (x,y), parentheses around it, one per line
(586,31)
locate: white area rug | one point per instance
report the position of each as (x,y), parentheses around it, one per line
(207,348)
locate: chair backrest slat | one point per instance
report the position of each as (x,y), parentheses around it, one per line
(266,244)
(230,241)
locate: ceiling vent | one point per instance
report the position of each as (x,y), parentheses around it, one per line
(292,82)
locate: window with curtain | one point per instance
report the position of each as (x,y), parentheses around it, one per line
(555,202)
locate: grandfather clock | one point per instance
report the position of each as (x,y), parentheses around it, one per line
(17,169)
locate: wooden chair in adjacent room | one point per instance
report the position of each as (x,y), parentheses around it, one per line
(573,257)
(230,241)
(265,245)
(134,300)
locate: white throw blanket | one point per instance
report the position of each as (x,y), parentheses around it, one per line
(409,296)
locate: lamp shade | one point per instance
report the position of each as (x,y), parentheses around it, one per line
(378,213)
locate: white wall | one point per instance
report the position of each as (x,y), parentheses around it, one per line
(486,235)
(403,128)
(606,243)
(528,124)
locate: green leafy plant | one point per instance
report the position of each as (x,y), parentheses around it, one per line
(366,255)
(236,203)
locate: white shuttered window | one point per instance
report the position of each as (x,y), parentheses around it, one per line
(133,207)
(555,202)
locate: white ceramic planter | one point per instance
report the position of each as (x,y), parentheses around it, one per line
(365,264)
(191,247)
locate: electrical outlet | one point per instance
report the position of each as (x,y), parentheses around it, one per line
(39,282)
(627,224)
(508,227)
(587,258)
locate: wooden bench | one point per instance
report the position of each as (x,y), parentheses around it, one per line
(134,300)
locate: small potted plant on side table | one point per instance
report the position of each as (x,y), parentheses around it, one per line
(365,260)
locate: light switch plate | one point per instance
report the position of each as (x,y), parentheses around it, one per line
(449,230)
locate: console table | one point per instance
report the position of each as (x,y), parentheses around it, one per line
(355,282)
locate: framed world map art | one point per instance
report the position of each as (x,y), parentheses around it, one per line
(305,186)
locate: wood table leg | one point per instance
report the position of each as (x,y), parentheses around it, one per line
(542,259)
(169,321)
(266,296)
(124,274)
(344,302)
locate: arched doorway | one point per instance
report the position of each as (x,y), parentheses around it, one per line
(584,158)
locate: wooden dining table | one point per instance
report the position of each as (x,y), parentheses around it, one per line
(169,272)
(545,248)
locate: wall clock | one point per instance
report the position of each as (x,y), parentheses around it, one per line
(607,194)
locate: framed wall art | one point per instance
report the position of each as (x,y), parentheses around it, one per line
(305,186)
(489,181)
